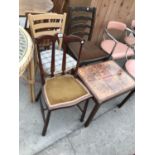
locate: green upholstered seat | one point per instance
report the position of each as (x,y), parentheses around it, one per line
(63,91)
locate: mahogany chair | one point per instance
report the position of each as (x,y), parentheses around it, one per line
(63,90)
(81,22)
(113,41)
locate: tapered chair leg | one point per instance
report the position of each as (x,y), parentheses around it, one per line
(38,96)
(84,110)
(42,110)
(46,123)
(91,116)
(125,99)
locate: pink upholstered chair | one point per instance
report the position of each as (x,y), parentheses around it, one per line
(114,46)
(130,37)
(133,24)
(130,67)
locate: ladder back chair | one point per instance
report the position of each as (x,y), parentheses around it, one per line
(47,24)
(81,22)
(63,90)
(24,19)
(50,24)
(113,42)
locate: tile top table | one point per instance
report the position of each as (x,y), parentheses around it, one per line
(106,80)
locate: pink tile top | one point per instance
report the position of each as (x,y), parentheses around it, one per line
(106,80)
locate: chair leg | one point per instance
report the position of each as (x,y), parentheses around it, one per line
(91,116)
(42,110)
(38,96)
(125,99)
(84,110)
(46,123)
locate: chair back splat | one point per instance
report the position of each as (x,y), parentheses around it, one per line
(81,21)
(47,24)
(52,39)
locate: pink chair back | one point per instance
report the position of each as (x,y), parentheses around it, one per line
(116,25)
(117,29)
(133,23)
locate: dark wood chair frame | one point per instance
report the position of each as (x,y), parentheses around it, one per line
(71,26)
(72,19)
(66,41)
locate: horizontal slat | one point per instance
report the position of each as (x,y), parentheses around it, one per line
(84,9)
(81,25)
(48,16)
(80,33)
(80,18)
(47,25)
(41,33)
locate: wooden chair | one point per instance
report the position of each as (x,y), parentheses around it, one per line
(60,6)
(47,24)
(63,90)
(23,20)
(81,22)
(50,24)
(113,42)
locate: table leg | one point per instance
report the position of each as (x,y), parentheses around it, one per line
(126,98)
(32,79)
(92,114)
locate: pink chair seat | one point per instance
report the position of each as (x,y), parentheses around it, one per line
(130,40)
(119,51)
(130,67)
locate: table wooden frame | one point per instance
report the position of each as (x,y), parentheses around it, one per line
(98,103)
(28,62)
